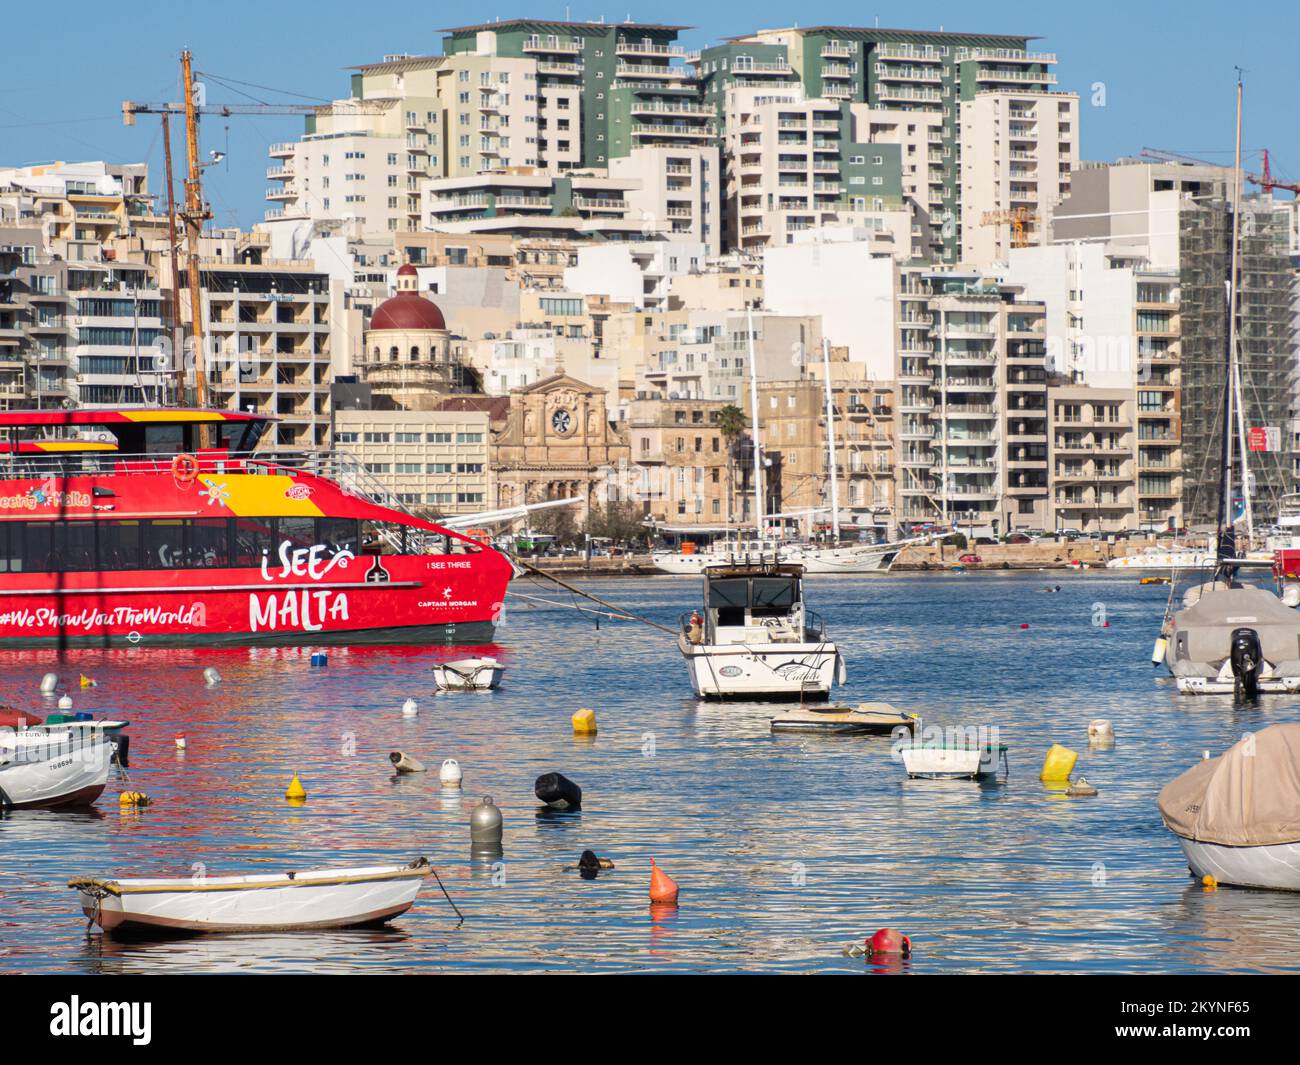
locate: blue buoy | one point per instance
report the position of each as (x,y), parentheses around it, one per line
(320,659)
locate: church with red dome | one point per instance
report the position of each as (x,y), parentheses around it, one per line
(408,357)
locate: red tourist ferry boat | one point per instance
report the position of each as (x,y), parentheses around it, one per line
(117,528)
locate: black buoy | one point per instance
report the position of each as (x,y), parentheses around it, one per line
(588,865)
(122,751)
(558,791)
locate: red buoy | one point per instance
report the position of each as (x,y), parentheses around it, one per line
(663,888)
(1024,624)
(887,941)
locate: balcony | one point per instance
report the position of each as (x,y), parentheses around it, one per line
(559,69)
(1018,76)
(553,45)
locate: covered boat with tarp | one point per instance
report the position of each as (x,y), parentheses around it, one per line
(1238,816)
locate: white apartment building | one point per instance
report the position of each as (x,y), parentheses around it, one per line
(409,118)
(847,279)
(1113,323)
(705,354)
(926,165)
(675,191)
(529,202)
(638,273)
(1017,152)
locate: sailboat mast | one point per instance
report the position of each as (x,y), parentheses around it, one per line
(1226,536)
(830,441)
(753,402)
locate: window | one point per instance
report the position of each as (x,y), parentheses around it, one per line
(469,438)
(437,438)
(378,438)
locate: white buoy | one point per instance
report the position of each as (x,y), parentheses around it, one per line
(65,703)
(211,677)
(1101,733)
(450,774)
(49,683)
(410,708)
(180,742)
(1158,651)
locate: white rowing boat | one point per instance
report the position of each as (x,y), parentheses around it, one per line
(315,899)
(468,675)
(929,761)
(50,771)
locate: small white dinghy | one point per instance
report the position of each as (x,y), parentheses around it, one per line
(931,761)
(281,902)
(468,675)
(46,771)
(1237,816)
(846,720)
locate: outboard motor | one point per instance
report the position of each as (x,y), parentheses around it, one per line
(1247,661)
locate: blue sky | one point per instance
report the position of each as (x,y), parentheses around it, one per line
(1166,68)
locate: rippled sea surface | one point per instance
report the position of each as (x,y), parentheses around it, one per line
(787,849)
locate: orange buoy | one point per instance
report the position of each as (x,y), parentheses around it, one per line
(887,941)
(663,888)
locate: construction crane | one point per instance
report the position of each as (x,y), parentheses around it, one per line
(1267,183)
(1162,156)
(196,211)
(1018,218)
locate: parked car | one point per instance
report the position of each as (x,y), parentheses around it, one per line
(1020,538)
(968,559)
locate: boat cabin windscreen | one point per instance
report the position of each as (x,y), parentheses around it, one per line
(763,597)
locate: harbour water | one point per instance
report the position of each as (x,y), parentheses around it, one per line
(787,849)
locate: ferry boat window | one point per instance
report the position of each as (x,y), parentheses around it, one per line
(20,547)
(119,544)
(773,596)
(209,543)
(338,534)
(252,537)
(299,531)
(383,538)
(164,544)
(164,440)
(72,546)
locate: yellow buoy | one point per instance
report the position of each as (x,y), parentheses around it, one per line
(133,798)
(296,790)
(1209,881)
(1058,764)
(584,722)
(86,682)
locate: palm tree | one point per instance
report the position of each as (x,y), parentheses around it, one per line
(731,423)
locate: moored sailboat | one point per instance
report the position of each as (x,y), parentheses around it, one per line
(1229,637)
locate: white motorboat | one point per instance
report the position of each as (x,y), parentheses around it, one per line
(296,901)
(814,558)
(46,771)
(952,761)
(468,675)
(872,718)
(1233,639)
(756,638)
(1153,558)
(1237,816)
